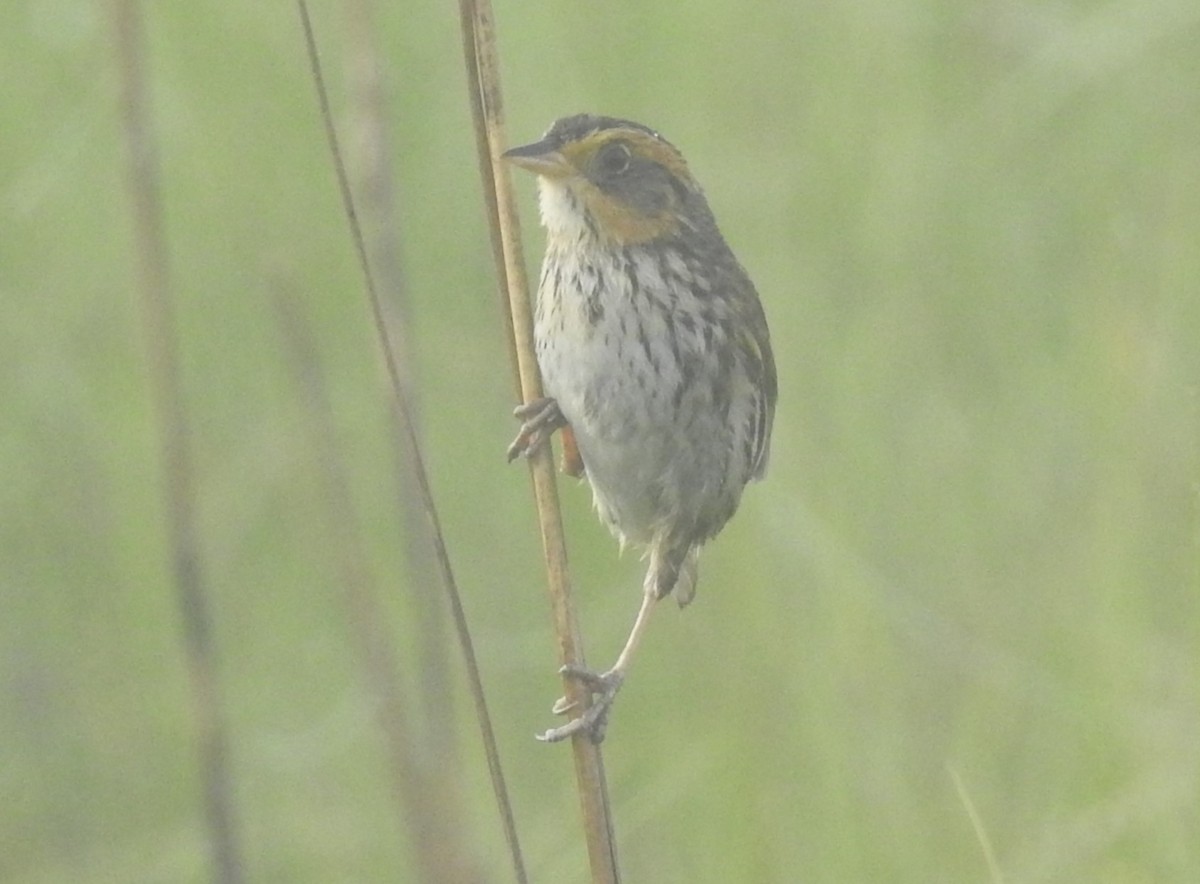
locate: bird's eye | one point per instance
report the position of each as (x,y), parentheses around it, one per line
(614,158)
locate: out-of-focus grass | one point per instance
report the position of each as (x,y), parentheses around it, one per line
(974,227)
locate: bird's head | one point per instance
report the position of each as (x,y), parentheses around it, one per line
(619,181)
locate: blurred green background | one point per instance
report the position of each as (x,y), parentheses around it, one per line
(969,585)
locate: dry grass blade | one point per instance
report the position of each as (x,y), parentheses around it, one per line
(426,797)
(158,318)
(409,437)
(483,81)
(372,165)
(985,843)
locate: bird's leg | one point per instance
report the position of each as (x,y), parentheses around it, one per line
(572,461)
(601,686)
(541,417)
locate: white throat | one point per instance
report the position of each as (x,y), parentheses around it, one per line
(562,214)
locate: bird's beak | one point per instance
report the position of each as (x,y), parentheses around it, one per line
(541,158)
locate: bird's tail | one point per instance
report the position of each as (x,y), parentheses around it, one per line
(673,570)
(689,574)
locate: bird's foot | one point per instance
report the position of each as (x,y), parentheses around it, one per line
(603,687)
(540,418)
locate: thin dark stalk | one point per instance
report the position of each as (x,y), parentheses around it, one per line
(428,800)
(158,318)
(409,436)
(483,82)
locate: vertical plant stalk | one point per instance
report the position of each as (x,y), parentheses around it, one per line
(158,318)
(427,798)
(371,166)
(483,83)
(409,437)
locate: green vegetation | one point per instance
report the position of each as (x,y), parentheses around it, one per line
(976,558)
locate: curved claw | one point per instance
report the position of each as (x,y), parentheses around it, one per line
(593,723)
(562,706)
(541,417)
(603,687)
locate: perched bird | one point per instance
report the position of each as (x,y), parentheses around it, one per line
(654,354)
